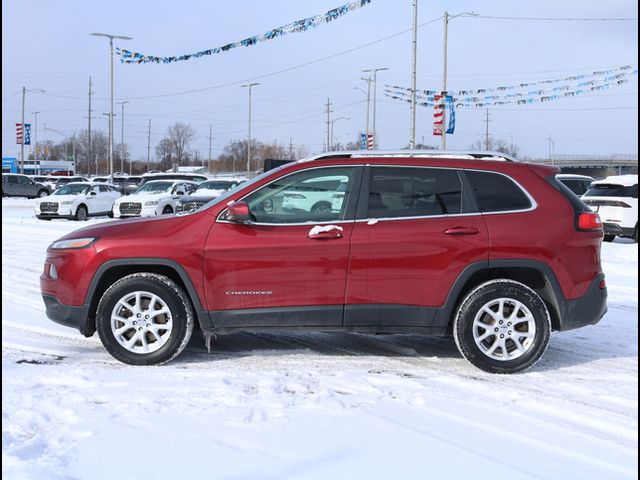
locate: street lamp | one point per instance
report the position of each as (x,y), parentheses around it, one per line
(332,122)
(249,85)
(122,139)
(111,37)
(375,88)
(24,91)
(447,18)
(35,150)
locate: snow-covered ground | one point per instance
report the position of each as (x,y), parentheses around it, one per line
(309,406)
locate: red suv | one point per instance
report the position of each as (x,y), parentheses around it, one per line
(495,252)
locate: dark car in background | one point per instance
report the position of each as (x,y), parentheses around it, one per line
(62,181)
(578,184)
(14,185)
(205,192)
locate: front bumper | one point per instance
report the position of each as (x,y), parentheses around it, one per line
(586,310)
(75,317)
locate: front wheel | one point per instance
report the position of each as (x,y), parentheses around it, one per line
(502,326)
(43,193)
(167,210)
(144,319)
(609,238)
(81,213)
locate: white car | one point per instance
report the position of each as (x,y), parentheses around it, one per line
(325,195)
(578,184)
(155,197)
(77,201)
(616,200)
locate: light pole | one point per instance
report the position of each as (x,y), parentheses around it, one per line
(249,86)
(35,141)
(551,147)
(122,138)
(331,148)
(111,37)
(24,92)
(368,94)
(375,88)
(447,18)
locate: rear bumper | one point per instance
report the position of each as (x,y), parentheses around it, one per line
(75,317)
(615,229)
(586,310)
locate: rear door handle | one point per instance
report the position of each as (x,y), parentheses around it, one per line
(461,231)
(325,232)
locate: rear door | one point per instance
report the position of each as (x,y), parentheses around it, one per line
(417,230)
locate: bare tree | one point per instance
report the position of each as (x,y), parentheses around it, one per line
(497,145)
(85,158)
(165,153)
(181,135)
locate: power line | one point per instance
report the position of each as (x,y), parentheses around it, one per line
(559,19)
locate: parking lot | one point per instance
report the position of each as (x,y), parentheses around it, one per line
(311,405)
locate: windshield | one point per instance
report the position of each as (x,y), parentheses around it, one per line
(612,190)
(73,189)
(155,187)
(216,185)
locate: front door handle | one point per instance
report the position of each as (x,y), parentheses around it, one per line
(461,231)
(325,232)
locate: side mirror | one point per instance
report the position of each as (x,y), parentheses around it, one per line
(238,212)
(93,193)
(180,192)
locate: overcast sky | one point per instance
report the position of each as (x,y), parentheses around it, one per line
(46,45)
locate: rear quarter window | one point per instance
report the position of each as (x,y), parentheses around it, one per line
(497,193)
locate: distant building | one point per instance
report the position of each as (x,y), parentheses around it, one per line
(37,167)
(188,169)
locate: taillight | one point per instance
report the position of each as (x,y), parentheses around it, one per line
(589,221)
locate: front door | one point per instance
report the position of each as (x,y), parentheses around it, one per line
(416,235)
(288,266)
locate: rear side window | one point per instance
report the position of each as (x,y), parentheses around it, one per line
(497,193)
(413,192)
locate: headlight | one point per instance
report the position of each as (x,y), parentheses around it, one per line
(67,202)
(152,202)
(73,243)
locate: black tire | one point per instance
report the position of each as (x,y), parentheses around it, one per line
(43,193)
(635,235)
(81,213)
(513,360)
(110,214)
(321,207)
(181,319)
(48,219)
(167,210)
(609,238)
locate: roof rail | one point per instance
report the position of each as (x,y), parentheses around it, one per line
(469,154)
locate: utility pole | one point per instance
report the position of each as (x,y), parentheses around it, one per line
(73,145)
(414,61)
(148,145)
(24,133)
(290,148)
(551,145)
(443,139)
(328,125)
(486,131)
(89,135)
(210,135)
(368,80)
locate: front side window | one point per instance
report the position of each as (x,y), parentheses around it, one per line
(413,192)
(497,193)
(312,196)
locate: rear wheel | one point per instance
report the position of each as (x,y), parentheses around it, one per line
(609,238)
(43,193)
(321,207)
(502,326)
(144,319)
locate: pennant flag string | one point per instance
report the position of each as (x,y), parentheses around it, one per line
(520,98)
(626,69)
(127,56)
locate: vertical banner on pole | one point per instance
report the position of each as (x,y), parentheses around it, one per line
(370,141)
(363,141)
(19,133)
(27,134)
(438,115)
(450,114)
